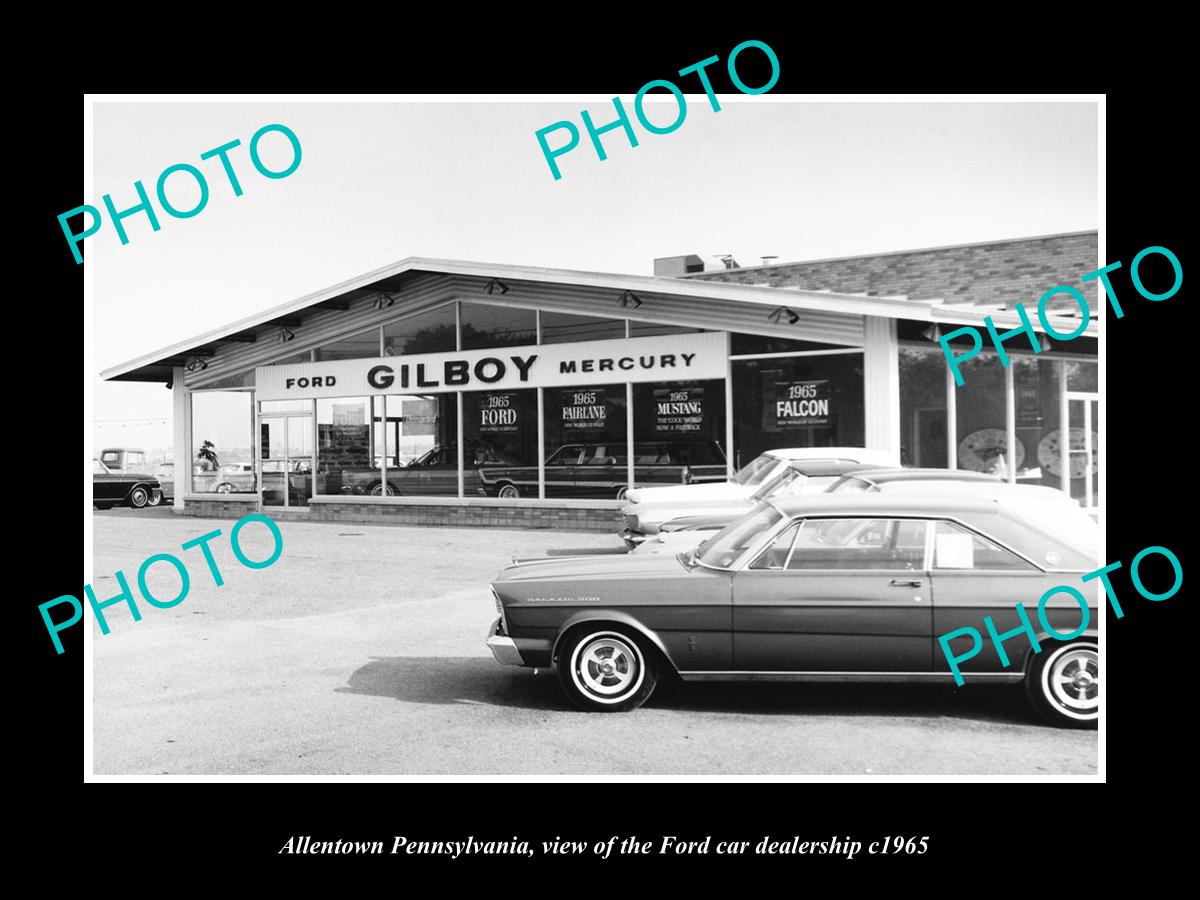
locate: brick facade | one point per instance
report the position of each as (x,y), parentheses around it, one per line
(601,517)
(1001,272)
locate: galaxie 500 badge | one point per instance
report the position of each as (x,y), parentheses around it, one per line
(560,599)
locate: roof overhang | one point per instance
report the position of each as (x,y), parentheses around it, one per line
(158,365)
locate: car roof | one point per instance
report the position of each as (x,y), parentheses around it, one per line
(871,503)
(881,475)
(815,468)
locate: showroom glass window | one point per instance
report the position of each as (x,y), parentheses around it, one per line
(500,431)
(485,326)
(585,434)
(344,453)
(223,442)
(923,423)
(981,411)
(797,401)
(416,440)
(558,328)
(679,432)
(356,346)
(427,332)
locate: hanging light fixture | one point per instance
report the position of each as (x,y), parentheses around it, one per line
(496,285)
(628,297)
(782,311)
(383,300)
(285,334)
(932,333)
(195,363)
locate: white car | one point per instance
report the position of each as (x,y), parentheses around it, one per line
(1051,504)
(748,481)
(796,477)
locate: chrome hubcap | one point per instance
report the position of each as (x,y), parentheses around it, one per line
(607,667)
(1071,680)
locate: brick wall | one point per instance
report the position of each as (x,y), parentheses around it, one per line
(422,511)
(1003,272)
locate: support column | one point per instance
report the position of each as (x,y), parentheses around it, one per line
(181,421)
(881,385)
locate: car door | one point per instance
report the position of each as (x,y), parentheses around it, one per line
(105,484)
(837,594)
(972,577)
(594,474)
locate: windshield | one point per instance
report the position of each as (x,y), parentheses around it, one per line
(756,471)
(783,483)
(723,548)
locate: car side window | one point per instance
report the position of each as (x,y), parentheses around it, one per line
(954,547)
(859,544)
(775,557)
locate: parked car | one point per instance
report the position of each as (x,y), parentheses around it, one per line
(125,460)
(645,520)
(434,472)
(111,489)
(757,472)
(601,469)
(829,587)
(165,473)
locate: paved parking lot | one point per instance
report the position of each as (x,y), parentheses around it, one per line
(361,652)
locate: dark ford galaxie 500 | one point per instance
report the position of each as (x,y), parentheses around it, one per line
(828,587)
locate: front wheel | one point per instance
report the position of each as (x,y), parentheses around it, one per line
(606,669)
(224,488)
(1064,685)
(156,498)
(139,497)
(621,492)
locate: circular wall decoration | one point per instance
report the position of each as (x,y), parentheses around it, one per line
(1048,452)
(979,449)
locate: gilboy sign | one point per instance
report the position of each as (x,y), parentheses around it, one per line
(660,358)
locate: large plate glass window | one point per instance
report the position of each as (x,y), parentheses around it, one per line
(585,433)
(804,401)
(427,332)
(500,434)
(416,441)
(923,421)
(223,439)
(485,326)
(981,413)
(560,328)
(679,432)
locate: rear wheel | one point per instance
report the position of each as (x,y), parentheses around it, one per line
(139,497)
(156,498)
(224,488)
(382,490)
(1064,685)
(621,492)
(102,505)
(605,668)
(508,492)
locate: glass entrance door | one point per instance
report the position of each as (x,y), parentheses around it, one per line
(287,459)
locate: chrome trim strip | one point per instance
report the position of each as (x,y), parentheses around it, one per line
(900,677)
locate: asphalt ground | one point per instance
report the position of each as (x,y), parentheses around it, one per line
(361,651)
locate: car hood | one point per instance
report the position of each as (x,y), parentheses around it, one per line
(717,490)
(594,566)
(658,513)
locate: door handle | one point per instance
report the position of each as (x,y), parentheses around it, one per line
(897,582)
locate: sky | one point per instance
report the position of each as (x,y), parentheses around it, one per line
(381,181)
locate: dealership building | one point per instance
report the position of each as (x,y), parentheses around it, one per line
(447,392)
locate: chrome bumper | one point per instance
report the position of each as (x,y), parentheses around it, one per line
(503,647)
(633,538)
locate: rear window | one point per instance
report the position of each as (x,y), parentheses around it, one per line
(109,456)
